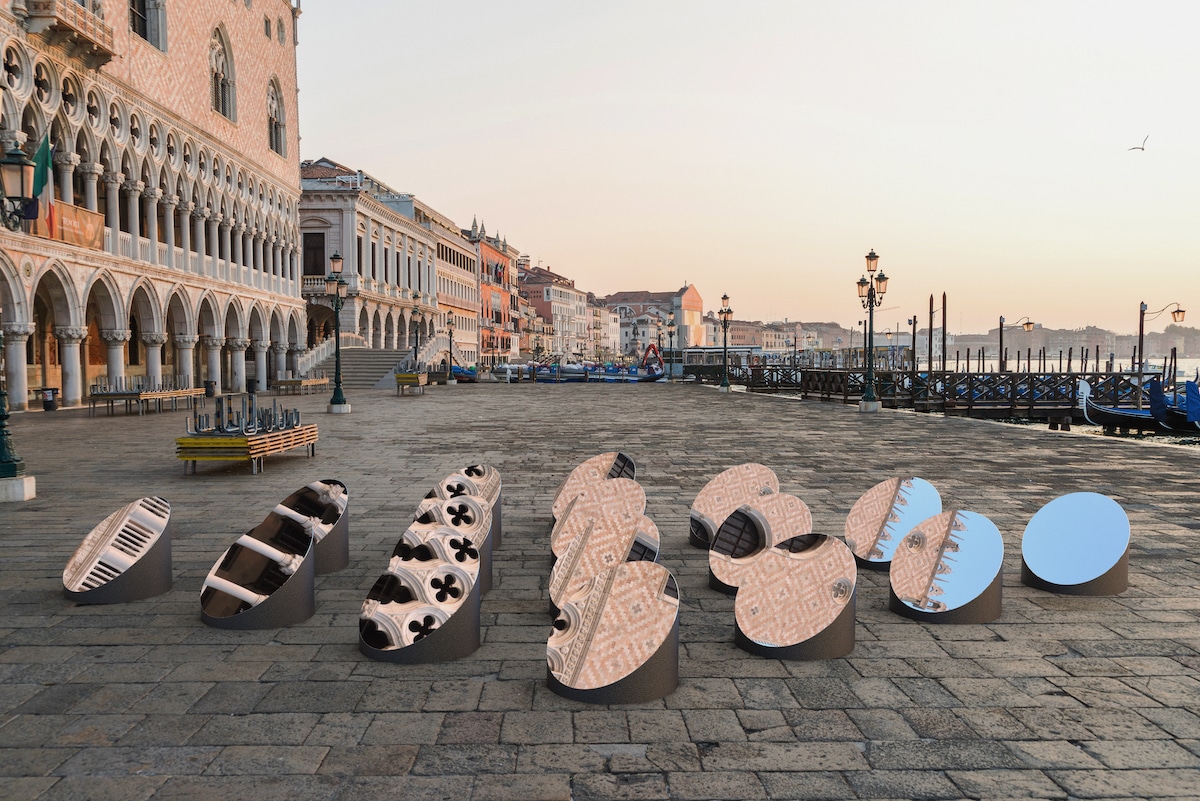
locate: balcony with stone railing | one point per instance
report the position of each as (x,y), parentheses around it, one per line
(78,25)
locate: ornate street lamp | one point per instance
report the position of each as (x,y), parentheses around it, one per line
(1024,322)
(1176,316)
(11,465)
(671,343)
(335,290)
(16,180)
(871,292)
(450,379)
(726,314)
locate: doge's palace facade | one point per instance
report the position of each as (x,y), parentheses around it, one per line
(177,186)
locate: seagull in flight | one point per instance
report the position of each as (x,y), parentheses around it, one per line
(1142,146)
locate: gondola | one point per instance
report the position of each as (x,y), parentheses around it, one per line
(1174,416)
(1116,417)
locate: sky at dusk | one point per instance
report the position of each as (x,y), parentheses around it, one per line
(762,148)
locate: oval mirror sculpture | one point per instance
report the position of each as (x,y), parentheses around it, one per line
(1077,544)
(470,516)
(948,570)
(598,468)
(616,641)
(327,504)
(799,601)
(425,608)
(727,491)
(613,496)
(750,531)
(480,480)
(884,514)
(126,557)
(613,536)
(265,579)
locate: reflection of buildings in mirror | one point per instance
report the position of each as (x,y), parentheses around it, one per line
(916,578)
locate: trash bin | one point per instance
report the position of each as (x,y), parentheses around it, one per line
(210,389)
(50,399)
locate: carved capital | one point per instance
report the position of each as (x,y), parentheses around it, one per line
(261,346)
(170,201)
(93,170)
(153,195)
(18,332)
(70,335)
(135,187)
(67,160)
(113,180)
(200,213)
(154,338)
(114,336)
(237,343)
(186,341)
(279,347)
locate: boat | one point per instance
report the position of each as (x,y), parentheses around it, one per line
(1116,417)
(1174,416)
(463,375)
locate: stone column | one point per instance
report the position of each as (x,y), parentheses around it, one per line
(69,338)
(154,343)
(66,163)
(169,202)
(260,365)
(293,358)
(198,217)
(115,339)
(16,335)
(260,259)
(235,257)
(214,221)
(151,197)
(248,253)
(212,348)
(185,345)
(237,357)
(133,195)
(185,233)
(91,172)
(280,350)
(226,251)
(112,194)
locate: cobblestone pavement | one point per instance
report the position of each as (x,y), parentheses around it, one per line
(1062,697)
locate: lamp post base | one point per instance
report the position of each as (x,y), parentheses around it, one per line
(338,408)
(21,488)
(451,381)
(723,388)
(870,406)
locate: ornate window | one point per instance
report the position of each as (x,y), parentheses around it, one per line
(220,68)
(276,127)
(148,19)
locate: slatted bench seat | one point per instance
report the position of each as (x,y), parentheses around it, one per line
(145,398)
(300,386)
(411,383)
(244,447)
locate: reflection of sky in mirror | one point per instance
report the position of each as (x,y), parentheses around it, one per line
(974,565)
(1075,538)
(922,502)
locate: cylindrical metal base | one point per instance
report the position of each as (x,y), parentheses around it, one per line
(836,639)
(459,637)
(656,678)
(984,608)
(293,602)
(1113,582)
(149,576)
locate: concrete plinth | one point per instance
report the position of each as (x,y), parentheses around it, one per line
(338,408)
(21,488)
(870,406)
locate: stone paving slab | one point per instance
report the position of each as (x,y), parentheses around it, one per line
(1061,697)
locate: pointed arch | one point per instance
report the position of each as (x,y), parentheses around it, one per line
(222,76)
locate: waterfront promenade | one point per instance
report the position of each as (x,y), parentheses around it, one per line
(1062,697)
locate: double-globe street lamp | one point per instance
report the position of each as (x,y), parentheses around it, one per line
(1176,316)
(726,314)
(335,290)
(1001,360)
(450,379)
(870,292)
(16,179)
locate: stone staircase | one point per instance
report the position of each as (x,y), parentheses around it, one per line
(364,368)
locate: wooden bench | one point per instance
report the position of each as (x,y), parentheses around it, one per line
(300,386)
(144,399)
(244,447)
(414,383)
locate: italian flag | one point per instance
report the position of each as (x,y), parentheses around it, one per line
(43,187)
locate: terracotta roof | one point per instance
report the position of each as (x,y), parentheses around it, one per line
(324,168)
